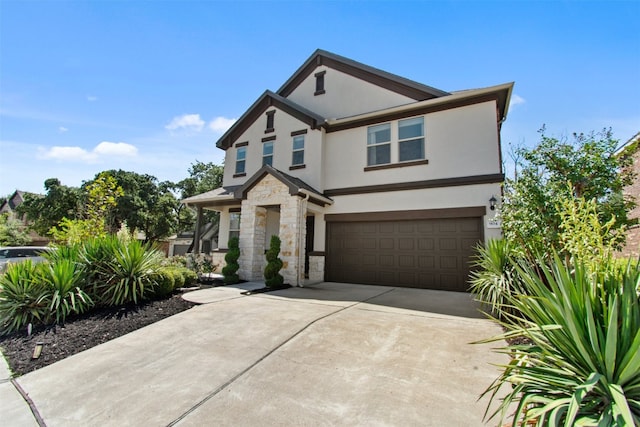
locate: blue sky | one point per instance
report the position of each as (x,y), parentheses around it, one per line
(149,86)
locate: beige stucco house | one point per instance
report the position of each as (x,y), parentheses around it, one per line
(367,177)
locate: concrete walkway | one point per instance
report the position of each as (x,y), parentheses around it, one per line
(331,354)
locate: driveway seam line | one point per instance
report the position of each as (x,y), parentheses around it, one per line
(269,353)
(32,405)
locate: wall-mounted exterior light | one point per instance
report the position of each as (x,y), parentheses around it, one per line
(492,203)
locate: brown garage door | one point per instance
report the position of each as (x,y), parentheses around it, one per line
(427,253)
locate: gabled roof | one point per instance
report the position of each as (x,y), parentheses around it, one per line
(11,203)
(296,186)
(389,81)
(268,99)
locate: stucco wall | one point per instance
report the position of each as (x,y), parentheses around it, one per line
(344,95)
(284,124)
(458,142)
(436,198)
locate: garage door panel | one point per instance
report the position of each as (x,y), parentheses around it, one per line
(450,244)
(406,244)
(431,254)
(386,260)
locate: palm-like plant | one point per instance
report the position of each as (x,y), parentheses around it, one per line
(583,366)
(131,271)
(493,276)
(23,297)
(63,279)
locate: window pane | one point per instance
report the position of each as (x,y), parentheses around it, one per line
(233,234)
(234,221)
(412,149)
(379,134)
(298,143)
(411,128)
(267,148)
(240,166)
(267,160)
(298,158)
(379,155)
(242,152)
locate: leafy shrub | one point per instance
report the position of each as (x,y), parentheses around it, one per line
(229,271)
(274,264)
(165,280)
(190,277)
(493,278)
(23,297)
(178,274)
(63,279)
(583,364)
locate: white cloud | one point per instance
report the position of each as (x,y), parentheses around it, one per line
(92,98)
(79,154)
(516,100)
(221,124)
(187,122)
(62,129)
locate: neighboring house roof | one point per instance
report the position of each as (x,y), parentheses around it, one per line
(631,146)
(266,100)
(389,81)
(232,194)
(10,204)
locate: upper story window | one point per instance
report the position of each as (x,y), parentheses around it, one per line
(270,125)
(319,83)
(298,150)
(267,153)
(379,144)
(241,156)
(411,139)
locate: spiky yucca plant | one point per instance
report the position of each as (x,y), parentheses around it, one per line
(24,298)
(583,364)
(63,279)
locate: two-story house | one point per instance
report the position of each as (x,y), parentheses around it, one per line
(366,177)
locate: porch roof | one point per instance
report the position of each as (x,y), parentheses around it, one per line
(233,194)
(219,196)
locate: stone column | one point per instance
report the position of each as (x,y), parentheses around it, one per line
(196,233)
(253,221)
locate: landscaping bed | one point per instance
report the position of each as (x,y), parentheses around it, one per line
(82,332)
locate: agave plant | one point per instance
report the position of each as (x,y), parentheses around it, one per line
(24,298)
(583,364)
(63,279)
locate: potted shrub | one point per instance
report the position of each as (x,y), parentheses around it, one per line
(272,277)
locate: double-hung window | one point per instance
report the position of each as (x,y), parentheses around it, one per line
(241,156)
(411,139)
(379,144)
(267,153)
(298,151)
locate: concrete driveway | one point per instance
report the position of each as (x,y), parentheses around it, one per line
(331,354)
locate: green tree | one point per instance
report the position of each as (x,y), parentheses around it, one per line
(203,177)
(44,212)
(11,234)
(144,205)
(588,164)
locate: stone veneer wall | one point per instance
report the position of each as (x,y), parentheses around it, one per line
(269,192)
(316,268)
(632,247)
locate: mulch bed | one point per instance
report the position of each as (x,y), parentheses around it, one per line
(83,332)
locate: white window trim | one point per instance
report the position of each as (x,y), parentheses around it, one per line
(294,150)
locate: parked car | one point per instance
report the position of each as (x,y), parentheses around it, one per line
(21,253)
